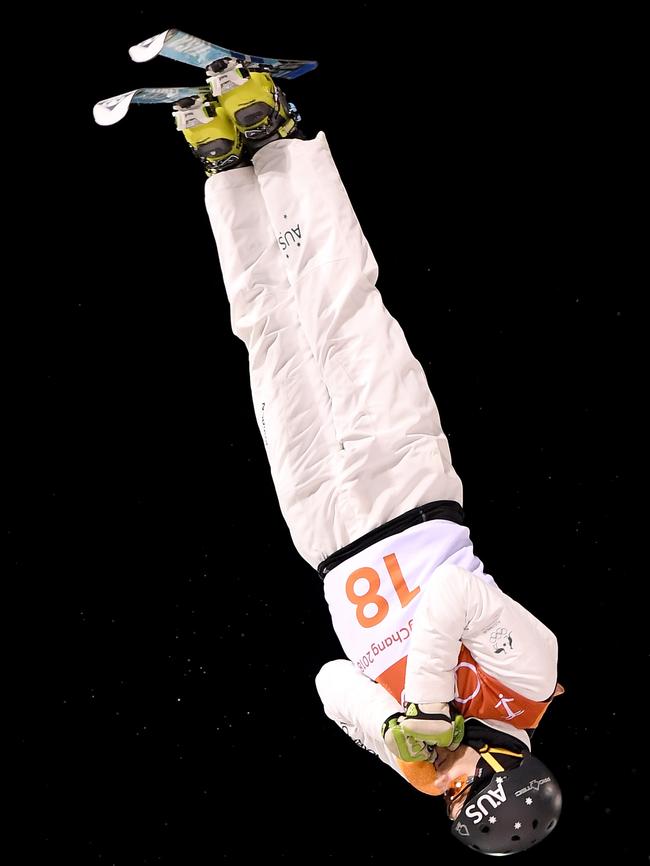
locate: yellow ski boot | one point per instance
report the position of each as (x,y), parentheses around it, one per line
(210,132)
(255,104)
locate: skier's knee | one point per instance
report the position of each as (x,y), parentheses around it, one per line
(334,670)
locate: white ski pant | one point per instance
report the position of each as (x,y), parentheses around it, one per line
(350,427)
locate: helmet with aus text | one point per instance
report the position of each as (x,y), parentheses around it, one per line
(513,811)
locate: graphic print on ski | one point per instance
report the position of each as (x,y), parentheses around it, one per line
(185,48)
(110,111)
(197,52)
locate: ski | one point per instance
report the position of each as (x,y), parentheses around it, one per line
(110,111)
(197,52)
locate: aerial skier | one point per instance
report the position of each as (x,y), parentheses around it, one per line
(446,677)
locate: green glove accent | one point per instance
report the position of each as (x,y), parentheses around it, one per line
(409,748)
(450,738)
(459,732)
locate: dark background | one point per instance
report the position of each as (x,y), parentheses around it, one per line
(167,634)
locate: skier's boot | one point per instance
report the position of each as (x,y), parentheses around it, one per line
(254,102)
(211,133)
(433,724)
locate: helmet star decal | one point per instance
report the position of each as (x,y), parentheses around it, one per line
(492,819)
(529,801)
(517,825)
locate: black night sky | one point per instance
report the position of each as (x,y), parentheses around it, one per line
(167,633)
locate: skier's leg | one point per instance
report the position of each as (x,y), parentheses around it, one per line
(393,454)
(292,405)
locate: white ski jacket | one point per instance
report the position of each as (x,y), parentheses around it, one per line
(470,643)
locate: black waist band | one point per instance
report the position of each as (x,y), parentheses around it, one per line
(442,509)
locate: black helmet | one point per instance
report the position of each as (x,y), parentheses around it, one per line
(513,811)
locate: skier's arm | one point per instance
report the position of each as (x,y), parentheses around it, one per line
(363,710)
(438,629)
(358,705)
(459,606)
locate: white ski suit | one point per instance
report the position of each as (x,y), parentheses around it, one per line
(354,440)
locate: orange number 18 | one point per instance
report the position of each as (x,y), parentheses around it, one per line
(371,595)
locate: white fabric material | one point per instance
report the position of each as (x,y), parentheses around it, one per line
(400,567)
(291,402)
(352,432)
(350,427)
(506,641)
(358,706)
(456,605)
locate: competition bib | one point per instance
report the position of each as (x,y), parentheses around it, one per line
(373,595)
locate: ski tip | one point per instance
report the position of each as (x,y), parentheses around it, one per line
(110,111)
(148,48)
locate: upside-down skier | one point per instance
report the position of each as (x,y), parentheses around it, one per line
(446,677)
